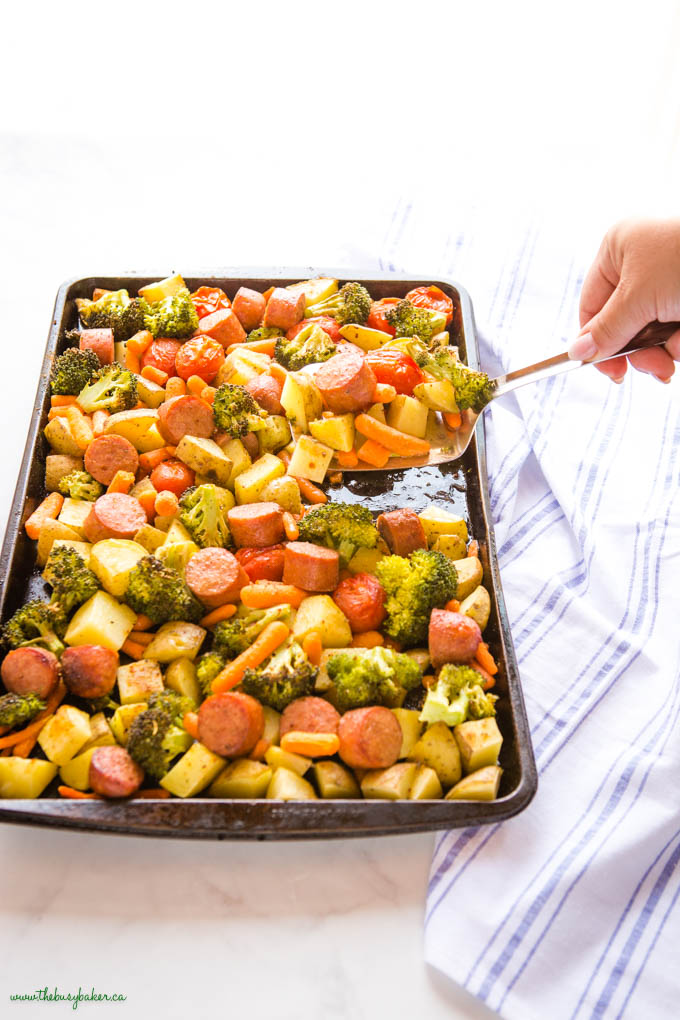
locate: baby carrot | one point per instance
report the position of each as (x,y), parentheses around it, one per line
(264,594)
(166,503)
(154,374)
(148,502)
(143,622)
(140,342)
(453,605)
(133,649)
(312,646)
(273,635)
(61,400)
(347,460)
(71,794)
(79,427)
(33,729)
(122,481)
(473,548)
(373,453)
(99,419)
(311,745)
(132,362)
(208,394)
(290,527)
(260,749)
(485,658)
(48,510)
(195,385)
(141,637)
(369,639)
(453,419)
(394,440)
(148,461)
(383,393)
(217,615)
(260,346)
(277,372)
(190,724)
(175,387)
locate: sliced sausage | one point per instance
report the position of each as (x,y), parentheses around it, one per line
(223,326)
(100,341)
(108,454)
(403,531)
(267,392)
(89,670)
(370,738)
(215,576)
(161,354)
(311,567)
(230,724)
(284,309)
(252,444)
(452,637)
(263,564)
(346,382)
(249,306)
(256,524)
(114,515)
(362,600)
(185,416)
(113,773)
(30,670)
(310,715)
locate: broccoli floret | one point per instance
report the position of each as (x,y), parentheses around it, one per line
(376,676)
(116,312)
(174,704)
(473,389)
(37,623)
(311,346)
(414,586)
(173,316)
(236,411)
(265,333)
(103,704)
(458,695)
(207,668)
(231,637)
(73,370)
(160,593)
(80,485)
(112,389)
(18,709)
(70,578)
(344,527)
(408,320)
(204,516)
(284,676)
(352,303)
(154,740)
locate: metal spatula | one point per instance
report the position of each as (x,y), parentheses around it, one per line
(447,444)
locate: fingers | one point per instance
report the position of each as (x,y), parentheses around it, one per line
(615,369)
(599,284)
(656,361)
(611,328)
(672,345)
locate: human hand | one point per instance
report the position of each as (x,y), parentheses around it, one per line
(634,279)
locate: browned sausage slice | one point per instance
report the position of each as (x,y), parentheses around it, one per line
(222,326)
(285,308)
(370,738)
(311,567)
(256,524)
(403,531)
(347,382)
(452,637)
(107,454)
(185,416)
(230,724)
(215,576)
(113,773)
(31,670)
(100,341)
(89,670)
(114,515)
(310,715)
(249,306)
(267,392)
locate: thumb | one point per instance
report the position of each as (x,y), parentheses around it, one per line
(617,322)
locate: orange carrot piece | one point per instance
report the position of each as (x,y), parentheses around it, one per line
(133,649)
(217,615)
(453,606)
(277,372)
(260,749)
(266,294)
(6,752)
(57,412)
(79,426)
(260,346)
(122,481)
(453,419)
(61,400)
(143,622)
(195,385)
(154,374)
(166,503)
(290,527)
(148,502)
(140,342)
(99,419)
(369,639)
(48,510)
(473,548)
(383,393)
(485,659)
(311,745)
(347,460)
(154,793)
(148,461)
(34,728)
(207,394)
(132,362)
(373,453)
(190,724)
(141,637)
(394,440)
(175,387)
(264,594)
(71,794)
(171,451)
(273,635)
(312,646)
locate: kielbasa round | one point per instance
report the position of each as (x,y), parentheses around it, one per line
(230,724)
(310,715)
(89,670)
(311,567)
(370,738)
(30,670)
(267,392)
(249,306)
(256,524)
(346,382)
(284,309)
(108,454)
(114,515)
(185,416)
(362,600)
(222,326)
(264,563)
(113,773)
(215,576)
(100,341)
(452,637)
(402,530)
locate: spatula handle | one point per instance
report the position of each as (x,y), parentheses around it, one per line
(653,334)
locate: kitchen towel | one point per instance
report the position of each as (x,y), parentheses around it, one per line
(570,909)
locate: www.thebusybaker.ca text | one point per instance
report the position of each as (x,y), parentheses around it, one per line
(45,995)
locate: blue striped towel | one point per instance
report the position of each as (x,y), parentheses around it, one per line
(570,910)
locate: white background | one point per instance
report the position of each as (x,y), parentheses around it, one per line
(170,136)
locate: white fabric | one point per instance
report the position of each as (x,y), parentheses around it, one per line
(570,909)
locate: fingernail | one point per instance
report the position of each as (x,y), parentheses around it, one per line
(583,349)
(619,380)
(664,380)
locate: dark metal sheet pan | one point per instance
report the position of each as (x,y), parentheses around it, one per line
(462,486)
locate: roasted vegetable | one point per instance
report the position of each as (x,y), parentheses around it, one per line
(414,586)
(310,346)
(160,593)
(71,580)
(352,303)
(458,695)
(286,675)
(344,527)
(204,517)
(376,676)
(36,623)
(236,411)
(73,370)
(19,709)
(80,485)
(172,316)
(112,389)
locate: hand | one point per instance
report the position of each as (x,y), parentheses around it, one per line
(634,279)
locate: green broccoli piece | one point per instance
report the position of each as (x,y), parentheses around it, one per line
(160,593)
(80,485)
(344,527)
(473,389)
(73,370)
(408,320)
(264,333)
(112,389)
(37,623)
(414,586)
(174,704)
(311,346)
(19,709)
(116,312)
(173,316)
(352,303)
(236,411)
(284,676)
(231,637)
(70,578)
(376,676)
(207,668)
(457,695)
(203,514)
(154,740)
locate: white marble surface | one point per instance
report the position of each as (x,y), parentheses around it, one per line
(96,178)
